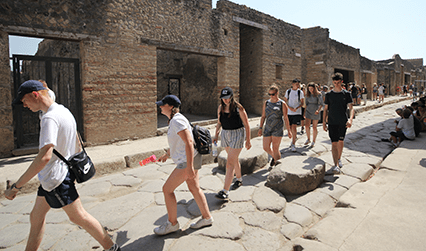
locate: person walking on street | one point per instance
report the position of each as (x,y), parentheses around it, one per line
(233,120)
(294,98)
(188,160)
(381,91)
(336,103)
(274,114)
(364,93)
(58,131)
(314,103)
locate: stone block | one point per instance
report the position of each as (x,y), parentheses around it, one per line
(297,175)
(250,160)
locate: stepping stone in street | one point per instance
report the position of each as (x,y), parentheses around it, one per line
(296,175)
(250,160)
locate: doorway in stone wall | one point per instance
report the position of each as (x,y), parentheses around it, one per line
(62,76)
(348,76)
(251,41)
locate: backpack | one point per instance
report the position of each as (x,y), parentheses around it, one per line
(417,126)
(202,139)
(298,93)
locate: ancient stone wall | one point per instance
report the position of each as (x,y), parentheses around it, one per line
(266,44)
(315,51)
(6,116)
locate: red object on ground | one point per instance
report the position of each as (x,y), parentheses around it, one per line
(151,158)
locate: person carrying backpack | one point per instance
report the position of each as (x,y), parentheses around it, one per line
(294,98)
(180,138)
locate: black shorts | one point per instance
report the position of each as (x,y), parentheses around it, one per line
(294,119)
(336,132)
(398,134)
(62,195)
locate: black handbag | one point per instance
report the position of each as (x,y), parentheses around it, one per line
(80,164)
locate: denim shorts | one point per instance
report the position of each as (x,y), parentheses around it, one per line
(197,162)
(62,195)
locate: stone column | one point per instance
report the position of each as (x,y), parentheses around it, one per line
(6,115)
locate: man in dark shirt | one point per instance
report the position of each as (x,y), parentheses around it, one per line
(336,103)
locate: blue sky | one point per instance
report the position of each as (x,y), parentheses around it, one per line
(378,28)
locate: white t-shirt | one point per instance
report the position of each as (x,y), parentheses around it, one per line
(58,127)
(381,90)
(407,127)
(293,101)
(177,146)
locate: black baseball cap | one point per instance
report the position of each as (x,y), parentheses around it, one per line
(170,100)
(226,93)
(27,87)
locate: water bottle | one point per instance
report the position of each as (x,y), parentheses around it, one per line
(214,149)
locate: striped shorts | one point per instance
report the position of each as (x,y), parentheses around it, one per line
(233,138)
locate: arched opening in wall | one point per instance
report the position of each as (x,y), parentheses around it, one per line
(348,76)
(192,78)
(251,41)
(57,63)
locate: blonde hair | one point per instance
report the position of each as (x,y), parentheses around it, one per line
(274,87)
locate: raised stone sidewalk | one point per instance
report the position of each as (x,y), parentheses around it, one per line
(130,203)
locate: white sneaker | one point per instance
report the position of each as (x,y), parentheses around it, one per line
(313,144)
(202,223)
(293,148)
(340,163)
(307,142)
(166,228)
(336,170)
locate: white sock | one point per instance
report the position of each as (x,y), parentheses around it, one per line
(240,179)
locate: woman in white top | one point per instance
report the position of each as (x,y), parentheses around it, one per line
(181,142)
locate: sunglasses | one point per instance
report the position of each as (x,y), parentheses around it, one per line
(272,94)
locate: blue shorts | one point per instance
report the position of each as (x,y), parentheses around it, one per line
(62,195)
(197,162)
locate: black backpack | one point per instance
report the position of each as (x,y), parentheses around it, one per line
(298,93)
(417,126)
(202,139)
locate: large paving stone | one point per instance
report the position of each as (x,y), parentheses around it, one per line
(297,175)
(6,219)
(213,203)
(337,226)
(266,220)
(13,234)
(75,241)
(250,160)
(298,214)
(317,202)
(243,193)
(96,188)
(137,234)
(197,243)
(116,212)
(361,171)
(255,239)
(332,189)
(148,172)
(211,182)
(291,230)
(342,180)
(239,207)
(226,225)
(54,232)
(268,199)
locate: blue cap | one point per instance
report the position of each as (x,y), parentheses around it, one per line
(27,87)
(170,100)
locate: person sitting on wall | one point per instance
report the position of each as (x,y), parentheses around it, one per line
(404,129)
